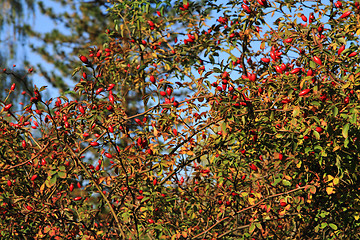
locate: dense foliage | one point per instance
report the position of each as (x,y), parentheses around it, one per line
(247,128)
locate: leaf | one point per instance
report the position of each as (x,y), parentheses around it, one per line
(317,135)
(330,190)
(252,228)
(312,189)
(335,111)
(276,181)
(75,71)
(313,65)
(286,182)
(323,225)
(62,174)
(258,225)
(345,130)
(296,111)
(333,226)
(51,182)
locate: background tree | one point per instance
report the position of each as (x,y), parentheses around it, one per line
(245,130)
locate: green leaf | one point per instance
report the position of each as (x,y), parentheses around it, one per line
(296,111)
(75,71)
(333,226)
(335,111)
(323,225)
(51,181)
(353,118)
(315,103)
(252,228)
(62,174)
(276,181)
(312,65)
(62,169)
(317,135)
(346,142)
(345,130)
(286,182)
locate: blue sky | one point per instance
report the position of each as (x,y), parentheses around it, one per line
(42,24)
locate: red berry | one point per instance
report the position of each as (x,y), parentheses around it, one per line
(94,144)
(352,54)
(295,70)
(253,167)
(138,121)
(304,92)
(338,4)
(304,18)
(111,86)
(151,24)
(317,60)
(29,208)
(84,59)
(341,49)
(319,129)
(111,98)
(345,14)
(288,40)
(246,8)
(33,177)
(81,109)
(77,198)
(262,2)
(7,107)
(99,91)
(347,100)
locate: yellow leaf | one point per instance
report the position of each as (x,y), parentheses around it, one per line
(262,46)
(244,194)
(189,153)
(42,188)
(330,190)
(156,132)
(329,178)
(358,32)
(287,177)
(336,181)
(251,201)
